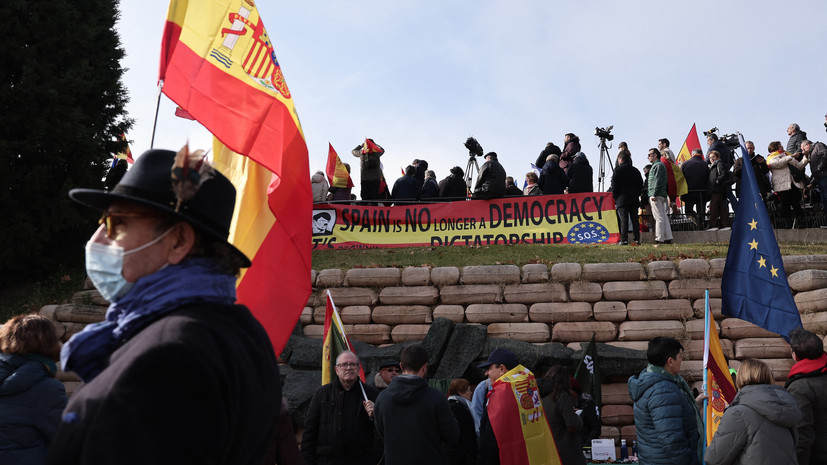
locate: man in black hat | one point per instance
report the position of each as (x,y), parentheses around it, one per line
(491,180)
(387,372)
(176,373)
(499,362)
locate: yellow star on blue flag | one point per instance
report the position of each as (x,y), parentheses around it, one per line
(754,285)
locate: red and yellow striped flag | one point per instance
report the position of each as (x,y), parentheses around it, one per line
(691,143)
(519,422)
(719,386)
(336,172)
(335,342)
(218,65)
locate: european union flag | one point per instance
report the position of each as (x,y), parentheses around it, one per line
(754,285)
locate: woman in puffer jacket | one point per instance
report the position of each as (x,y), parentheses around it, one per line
(31,399)
(759,427)
(319,186)
(787,188)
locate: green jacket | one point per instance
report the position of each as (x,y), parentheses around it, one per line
(658,179)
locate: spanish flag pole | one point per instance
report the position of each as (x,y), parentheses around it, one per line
(218,65)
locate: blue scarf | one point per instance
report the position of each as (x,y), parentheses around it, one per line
(193,281)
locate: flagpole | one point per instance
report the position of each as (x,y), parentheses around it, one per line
(706,369)
(157,106)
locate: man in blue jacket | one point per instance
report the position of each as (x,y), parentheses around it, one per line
(666,418)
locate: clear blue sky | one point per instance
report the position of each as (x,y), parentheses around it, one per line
(419,78)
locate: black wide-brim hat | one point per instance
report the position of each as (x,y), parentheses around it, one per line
(149,183)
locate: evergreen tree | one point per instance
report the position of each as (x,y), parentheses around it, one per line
(62,105)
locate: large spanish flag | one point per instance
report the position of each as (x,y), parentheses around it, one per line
(335,342)
(718,382)
(691,143)
(519,422)
(218,65)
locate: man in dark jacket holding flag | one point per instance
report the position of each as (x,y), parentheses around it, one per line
(338,428)
(808,384)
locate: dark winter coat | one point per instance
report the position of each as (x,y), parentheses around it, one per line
(696,172)
(491,181)
(808,385)
(567,156)
(718,178)
(761,171)
(794,144)
(665,421)
(818,160)
(430,190)
(406,188)
(553,179)
(31,402)
(337,429)
(513,190)
(550,149)
(758,428)
(370,166)
(565,426)
(453,187)
(627,183)
(415,421)
(464,452)
(421,168)
(199,385)
(580,176)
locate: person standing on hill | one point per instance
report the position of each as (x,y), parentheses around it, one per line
(580,175)
(570,149)
(491,180)
(658,200)
(626,186)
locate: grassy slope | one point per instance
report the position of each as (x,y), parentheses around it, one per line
(523,254)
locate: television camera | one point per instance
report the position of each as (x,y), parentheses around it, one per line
(730,140)
(604,133)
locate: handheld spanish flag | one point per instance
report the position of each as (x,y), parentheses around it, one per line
(717,381)
(336,172)
(335,342)
(127,153)
(691,143)
(218,65)
(519,422)
(675,182)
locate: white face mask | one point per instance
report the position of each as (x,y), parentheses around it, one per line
(104,265)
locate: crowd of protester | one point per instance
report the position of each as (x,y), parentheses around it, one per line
(647,201)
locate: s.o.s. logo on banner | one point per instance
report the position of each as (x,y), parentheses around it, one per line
(587,218)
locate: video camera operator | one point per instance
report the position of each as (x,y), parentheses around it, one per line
(717,145)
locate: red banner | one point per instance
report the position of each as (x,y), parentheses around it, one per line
(587,218)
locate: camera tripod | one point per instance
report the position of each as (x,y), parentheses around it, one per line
(604,158)
(469,172)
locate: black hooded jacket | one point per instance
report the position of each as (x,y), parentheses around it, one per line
(415,422)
